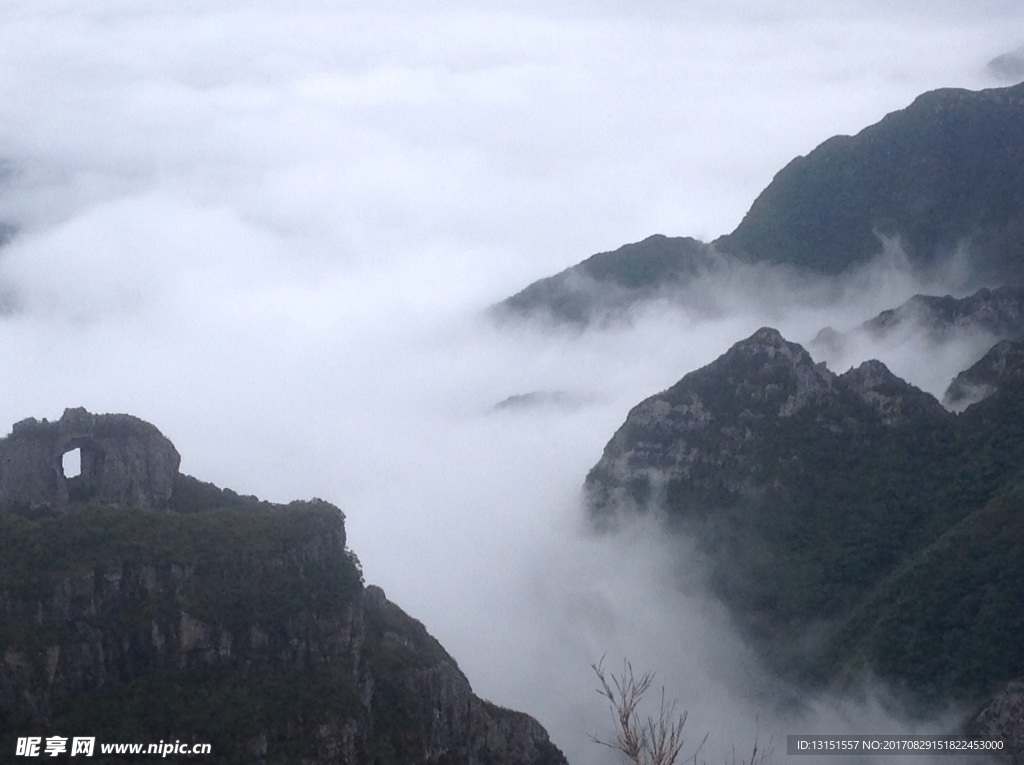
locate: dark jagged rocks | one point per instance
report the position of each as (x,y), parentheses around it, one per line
(213,617)
(826,504)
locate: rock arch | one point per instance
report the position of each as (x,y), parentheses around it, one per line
(84,486)
(125,462)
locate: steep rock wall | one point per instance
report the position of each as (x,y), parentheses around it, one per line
(245,627)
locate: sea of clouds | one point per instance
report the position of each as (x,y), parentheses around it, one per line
(272,229)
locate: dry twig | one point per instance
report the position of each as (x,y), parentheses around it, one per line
(647,741)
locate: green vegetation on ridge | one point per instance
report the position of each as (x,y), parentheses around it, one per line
(867,517)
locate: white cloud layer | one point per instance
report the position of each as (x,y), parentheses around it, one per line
(269,228)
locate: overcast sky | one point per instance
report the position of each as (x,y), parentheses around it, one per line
(269,229)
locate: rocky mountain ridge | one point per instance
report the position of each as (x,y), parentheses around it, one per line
(606,285)
(998,311)
(940,175)
(712,416)
(830,505)
(221,619)
(996,314)
(943,179)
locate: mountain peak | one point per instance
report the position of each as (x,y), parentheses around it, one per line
(839,506)
(769,340)
(608,283)
(707,419)
(765,374)
(945,172)
(943,178)
(767,336)
(892,398)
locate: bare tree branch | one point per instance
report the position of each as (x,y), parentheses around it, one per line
(646,741)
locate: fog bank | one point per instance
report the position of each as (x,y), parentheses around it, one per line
(271,229)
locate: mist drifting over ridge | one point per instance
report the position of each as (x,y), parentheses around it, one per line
(271,230)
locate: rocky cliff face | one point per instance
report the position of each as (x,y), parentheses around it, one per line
(449,723)
(125,462)
(705,435)
(106,620)
(833,505)
(232,622)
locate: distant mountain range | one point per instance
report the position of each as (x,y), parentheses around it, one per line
(944,173)
(1000,312)
(609,283)
(996,314)
(943,177)
(851,522)
(854,526)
